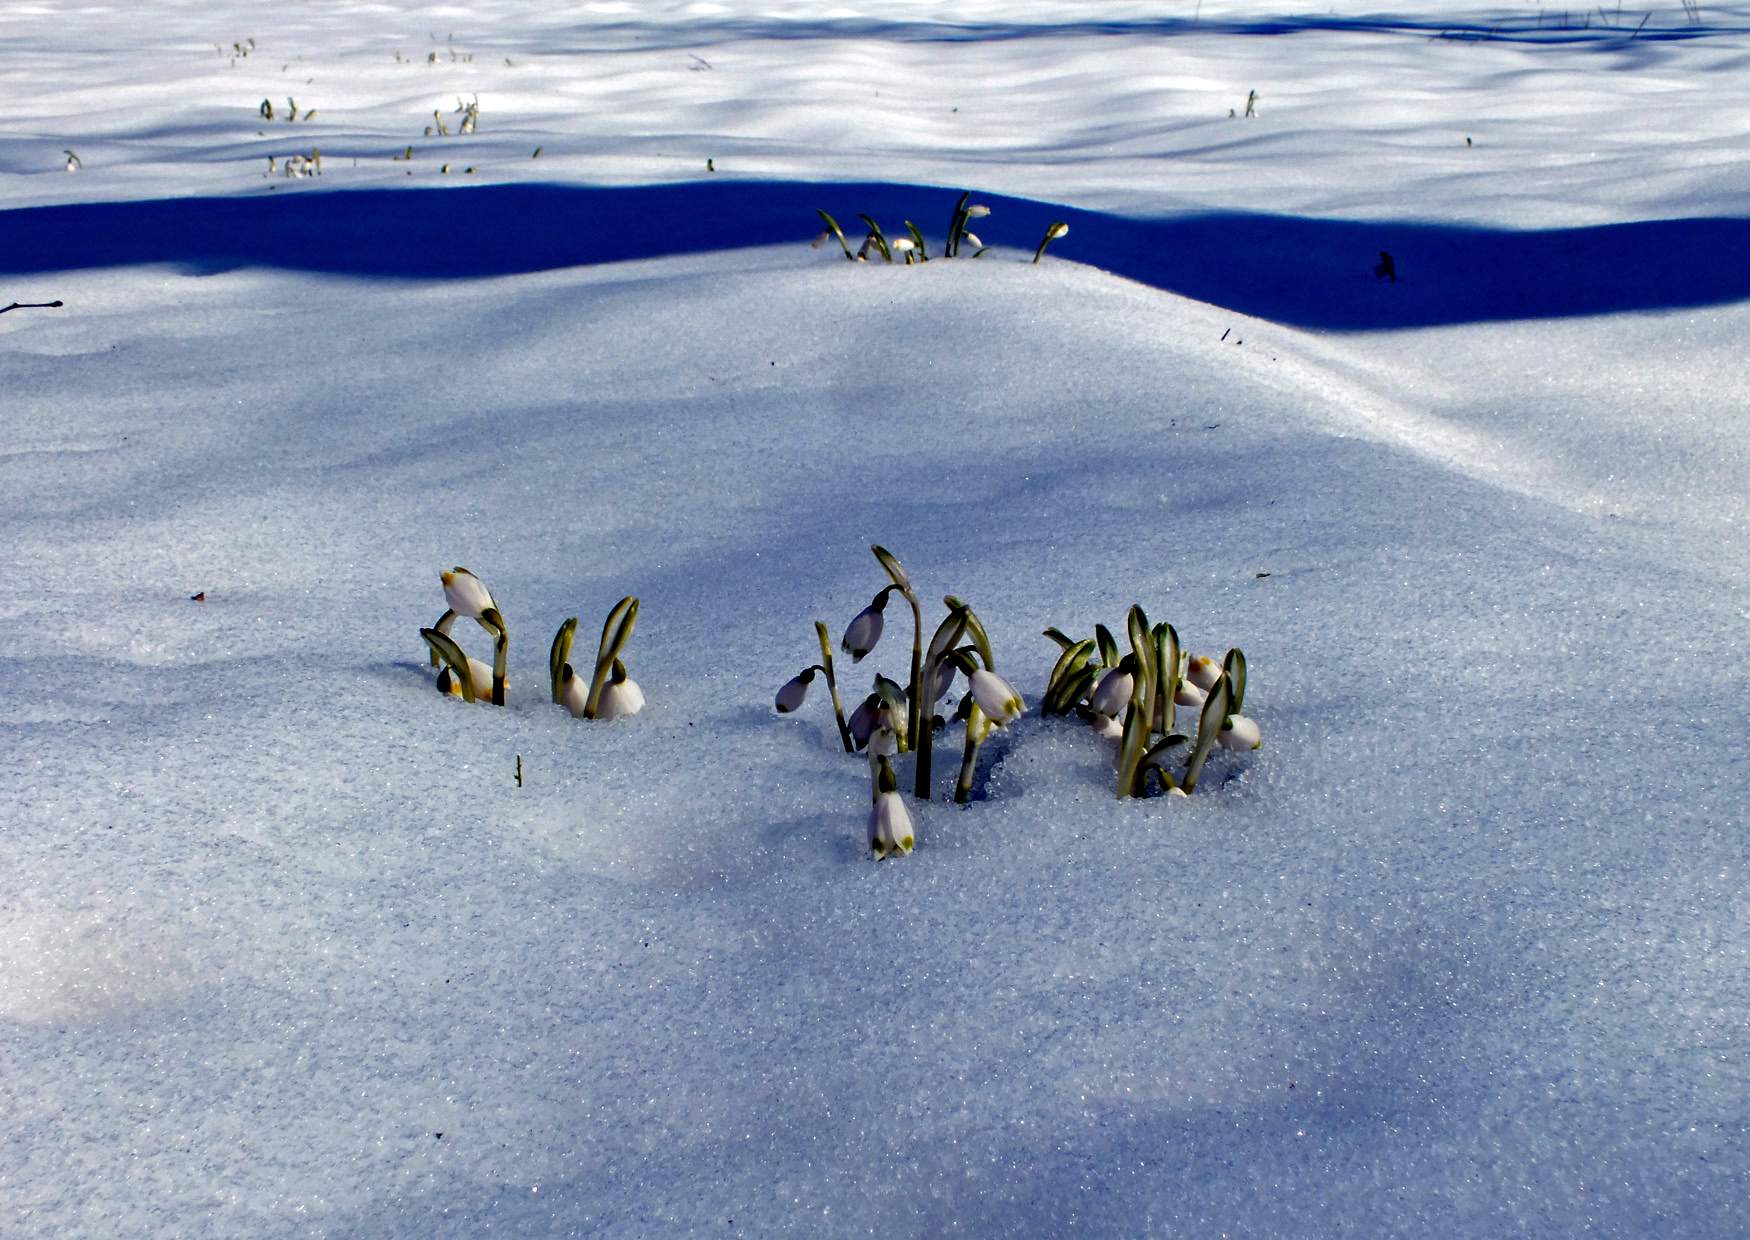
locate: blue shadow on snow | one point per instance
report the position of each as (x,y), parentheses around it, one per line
(1307,272)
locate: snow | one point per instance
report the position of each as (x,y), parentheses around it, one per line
(286,950)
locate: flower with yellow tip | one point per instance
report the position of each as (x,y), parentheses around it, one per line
(890,829)
(1203,671)
(996,697)
(480,673)
(466,594)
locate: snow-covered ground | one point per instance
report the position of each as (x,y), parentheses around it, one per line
(286,950)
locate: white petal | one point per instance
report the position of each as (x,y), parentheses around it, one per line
(1114,693)
(620,698)
(465,593)
(1241,734)
(862,633)
(996,697)
(1203,672)
(573,694)
(792,695)
(1189,695)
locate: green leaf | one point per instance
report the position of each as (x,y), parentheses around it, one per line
(1215,712)
(918,240)
(831,224)
(1166,672)
(1063,640)
(446,649)
(560,654)
(1108,646)
(891,565)
(1234,668)
(1131,749)
(1077,687)
(957,224)
(974,630)
(1072,660)
(880,237)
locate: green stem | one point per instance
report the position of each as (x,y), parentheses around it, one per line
(916,721)
(976,729)
(832,687)
(442,626)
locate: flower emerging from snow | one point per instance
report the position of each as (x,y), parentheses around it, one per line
(1240,733)
(1190,695)
(1107,726)
(1203,672)
(478,672)
(996,697)
(620,696)
(466,594)
(573,692)
(890,830)
(1113,694)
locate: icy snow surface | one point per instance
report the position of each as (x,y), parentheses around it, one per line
(285,949)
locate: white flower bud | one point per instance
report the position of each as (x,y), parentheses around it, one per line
(1203,672)
(996,697)
(972,237)
(1057,230)
(944,679)
(864,631)
(1113,693)
(1239,733)
(466,595)
(903,245)
(890,830)
(1107,727)
(977,211)
(620,698)
(1190,695)
(794,692)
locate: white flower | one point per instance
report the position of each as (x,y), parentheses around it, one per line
(465,593)
(1203,672)
(620,697)
(864,631)
(573,692)
(480,673)
(1107,726)
(903,245)
(944,679)
(973,238)
(1190,695)
(864,719)
(977,211)
(996,697)
(1240,733)
(890,830)
(794,692)
(1113,694)
(1056,230)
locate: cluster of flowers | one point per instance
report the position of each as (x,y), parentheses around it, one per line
(1134,699)
(610,692)
(912,248)
(893,720)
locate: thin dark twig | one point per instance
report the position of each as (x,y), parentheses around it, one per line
(31,305)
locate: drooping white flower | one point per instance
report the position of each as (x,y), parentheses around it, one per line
(996,697)
(1203,672)
(1190,695)
(944,676)
(619,698)
(1107,726)
(864,630)
(864,719)
(573,692)
(794,692)
(890,829)
(466,594)
(1113,693)
(977,211)
(903,245)
(1240,733)
(478,672)
(972,237)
